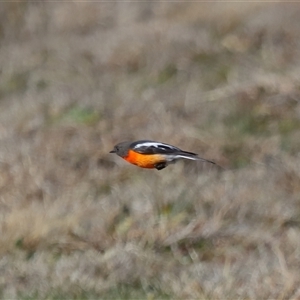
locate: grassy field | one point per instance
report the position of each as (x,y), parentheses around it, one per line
(218,79)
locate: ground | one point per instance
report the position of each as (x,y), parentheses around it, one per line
(218,79)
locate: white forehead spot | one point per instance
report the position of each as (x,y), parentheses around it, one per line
(153,144)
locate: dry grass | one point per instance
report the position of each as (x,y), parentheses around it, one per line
(218,79)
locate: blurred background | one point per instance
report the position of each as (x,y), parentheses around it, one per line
(218,79)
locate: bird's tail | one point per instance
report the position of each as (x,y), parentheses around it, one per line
(190,155)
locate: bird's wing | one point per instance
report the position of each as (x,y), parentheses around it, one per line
(151,147)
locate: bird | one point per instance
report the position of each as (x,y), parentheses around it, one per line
(153,155)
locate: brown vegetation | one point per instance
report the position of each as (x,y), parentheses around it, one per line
(219,79)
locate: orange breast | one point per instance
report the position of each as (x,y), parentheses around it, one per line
(144,160)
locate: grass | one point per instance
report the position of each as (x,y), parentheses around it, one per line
(217,79)
(79,115)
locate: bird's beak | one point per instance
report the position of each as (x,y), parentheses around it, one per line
(112,151)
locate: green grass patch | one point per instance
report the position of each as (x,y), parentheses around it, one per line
(288,125)
(82,115)
(166,74)
(78,115)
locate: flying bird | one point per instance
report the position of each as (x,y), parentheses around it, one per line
(153,155)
